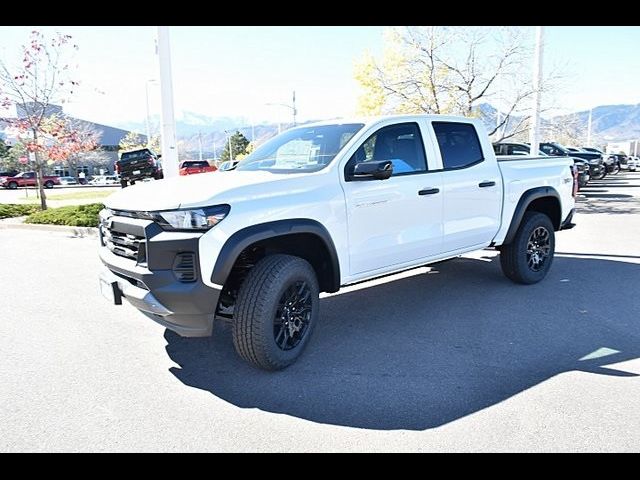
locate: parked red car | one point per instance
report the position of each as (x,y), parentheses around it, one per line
(28,179)
(190,167)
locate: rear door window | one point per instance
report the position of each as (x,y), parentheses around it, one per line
(459,144)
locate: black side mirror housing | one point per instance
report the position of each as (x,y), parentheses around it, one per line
(374,170)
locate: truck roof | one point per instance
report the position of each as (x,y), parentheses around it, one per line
(372,120)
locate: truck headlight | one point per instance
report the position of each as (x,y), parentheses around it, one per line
(192,219)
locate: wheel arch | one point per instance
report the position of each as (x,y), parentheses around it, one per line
(301,237)
(540,199)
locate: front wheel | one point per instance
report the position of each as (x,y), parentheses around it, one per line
(12,185)
(276,311)
(528,258)
(123,183)
(48,184)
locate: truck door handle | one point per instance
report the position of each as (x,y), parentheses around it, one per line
(487,183)
(429,191)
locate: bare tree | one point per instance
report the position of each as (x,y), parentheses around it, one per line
(451,70)
(85,151)
(32,86)
(566,130)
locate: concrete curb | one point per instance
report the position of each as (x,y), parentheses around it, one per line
(75,231)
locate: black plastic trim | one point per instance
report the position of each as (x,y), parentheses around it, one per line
(194,298)
(249,235)
(567,224)
(525,200)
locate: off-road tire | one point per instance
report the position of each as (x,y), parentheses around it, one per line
(514,257)
(257,304)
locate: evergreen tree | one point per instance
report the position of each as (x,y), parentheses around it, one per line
(239,144)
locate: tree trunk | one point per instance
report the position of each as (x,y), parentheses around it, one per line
(40,182)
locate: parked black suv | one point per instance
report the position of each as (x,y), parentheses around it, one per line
(137,165)
(597,168)
(557,150)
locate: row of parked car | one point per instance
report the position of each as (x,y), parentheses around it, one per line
(138,165)
(14,179)
(590,163)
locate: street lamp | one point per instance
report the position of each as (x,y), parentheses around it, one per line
(148,122)
(292,107)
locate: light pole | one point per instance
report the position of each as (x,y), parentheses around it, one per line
(589,127)
(148,121)
(534,133)
(291,107)
(167,119)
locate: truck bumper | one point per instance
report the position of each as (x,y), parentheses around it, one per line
(567,224)
(154,286)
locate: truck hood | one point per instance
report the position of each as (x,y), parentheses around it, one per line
(196,190)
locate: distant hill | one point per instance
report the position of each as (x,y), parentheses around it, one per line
(610,122)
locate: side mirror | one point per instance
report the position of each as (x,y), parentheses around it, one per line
(376,170)
(159,155)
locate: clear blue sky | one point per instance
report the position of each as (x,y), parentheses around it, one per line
(235,71)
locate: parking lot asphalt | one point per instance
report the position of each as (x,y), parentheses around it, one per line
(453,358)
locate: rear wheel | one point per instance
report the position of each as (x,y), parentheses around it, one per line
(276,311)
(48,184)
(13,185)
(529,257)
(123,183)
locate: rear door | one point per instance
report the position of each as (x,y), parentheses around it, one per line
(472,187)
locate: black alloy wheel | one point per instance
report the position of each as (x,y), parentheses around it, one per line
(538,249)
(293,316)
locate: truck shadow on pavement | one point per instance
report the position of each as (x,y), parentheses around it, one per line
(419,352)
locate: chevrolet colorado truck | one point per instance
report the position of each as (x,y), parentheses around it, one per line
(319,207)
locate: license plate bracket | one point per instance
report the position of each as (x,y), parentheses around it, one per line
(111,292)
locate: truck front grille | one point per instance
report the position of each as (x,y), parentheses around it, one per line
(125,244)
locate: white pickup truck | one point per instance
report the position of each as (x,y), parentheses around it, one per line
(319,207)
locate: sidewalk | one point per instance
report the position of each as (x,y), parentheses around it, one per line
(18,223)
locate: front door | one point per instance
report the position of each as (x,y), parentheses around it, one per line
(397,221)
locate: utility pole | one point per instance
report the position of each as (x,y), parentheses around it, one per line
(589,128)
(534,133)
(146,91)
(168,123)
(293,105)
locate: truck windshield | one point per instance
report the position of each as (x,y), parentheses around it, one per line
(303,149)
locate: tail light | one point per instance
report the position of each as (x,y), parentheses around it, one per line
(117,167)
(574,171)
(150,160)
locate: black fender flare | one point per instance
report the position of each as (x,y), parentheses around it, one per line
(240,240)
(525,200)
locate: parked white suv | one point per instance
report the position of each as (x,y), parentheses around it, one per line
(323,206)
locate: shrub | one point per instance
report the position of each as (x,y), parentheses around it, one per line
(15,210)
(73,215)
